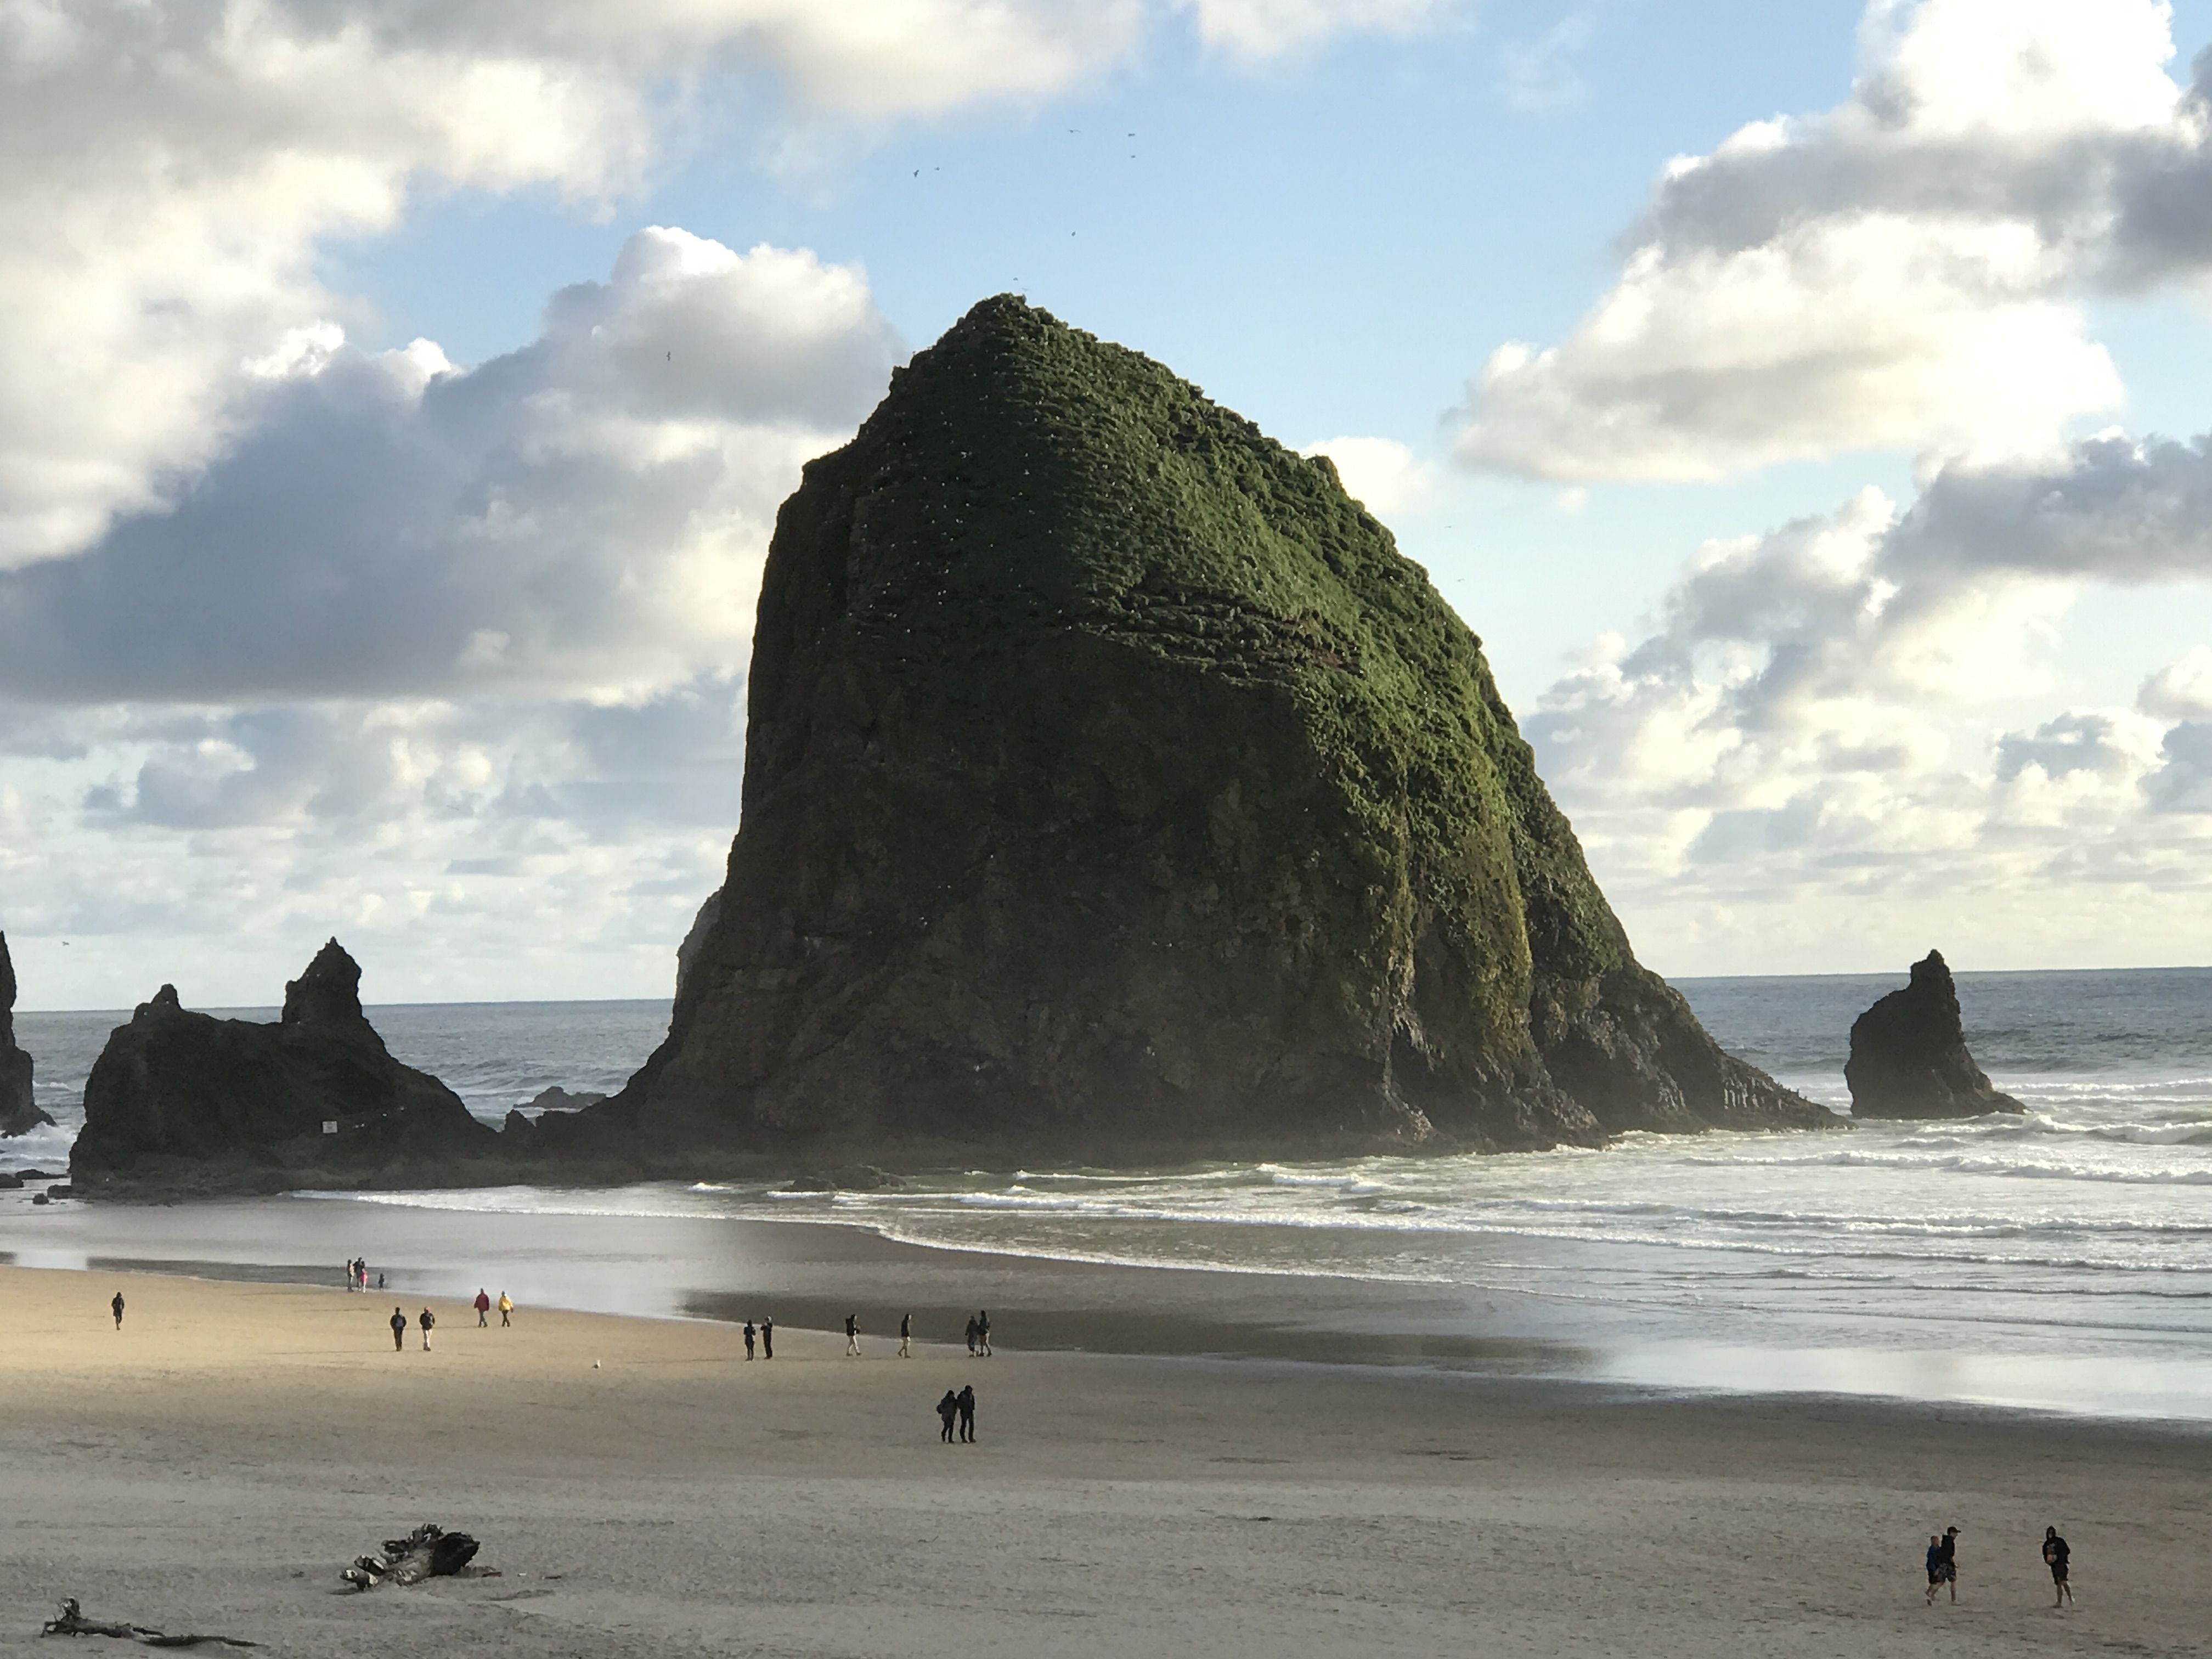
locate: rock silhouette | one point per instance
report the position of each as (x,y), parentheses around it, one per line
(1909,1056)
(1115,788)
(184,1100)
(20,1113)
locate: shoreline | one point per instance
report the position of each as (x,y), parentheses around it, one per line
(809,1272)
(642,1489)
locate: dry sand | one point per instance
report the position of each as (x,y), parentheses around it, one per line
(214,1464)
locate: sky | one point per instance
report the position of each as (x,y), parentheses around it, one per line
(1808,405)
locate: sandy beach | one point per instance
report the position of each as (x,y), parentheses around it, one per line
(213,1465)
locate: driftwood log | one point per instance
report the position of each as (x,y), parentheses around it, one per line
(428,1552)
(69,1620)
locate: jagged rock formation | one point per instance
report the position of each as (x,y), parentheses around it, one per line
(1909,1054)
(18,1113)
(1115,789)
(184,1100)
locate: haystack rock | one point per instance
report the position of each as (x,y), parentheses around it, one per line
(18,1112)
(1115,790)
(184,1100)
(1909,1054)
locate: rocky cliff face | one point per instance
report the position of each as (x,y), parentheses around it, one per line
(18,1113)
(1115,789)
(183,1101)
(1909,1054)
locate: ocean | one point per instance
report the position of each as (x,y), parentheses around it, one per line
(2062,1260)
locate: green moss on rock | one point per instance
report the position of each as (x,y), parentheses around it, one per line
(1115,788)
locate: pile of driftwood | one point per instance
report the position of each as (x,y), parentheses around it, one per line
(428,1552)
(70,1620)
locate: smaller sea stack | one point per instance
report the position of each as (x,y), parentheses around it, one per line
(1909,1056)
(181,1101)
(18,1114)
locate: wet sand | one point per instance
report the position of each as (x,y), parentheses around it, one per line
(214,1464)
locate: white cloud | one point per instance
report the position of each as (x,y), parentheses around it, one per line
(1260,29)
(1813,758)
(1381,474)
(585,516)
(2181,690)
(1902,271)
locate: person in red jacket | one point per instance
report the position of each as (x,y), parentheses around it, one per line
(483,1310)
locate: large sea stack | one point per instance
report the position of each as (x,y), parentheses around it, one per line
(184,1100)
(18,1112)
(1909,1054)
(1115,790)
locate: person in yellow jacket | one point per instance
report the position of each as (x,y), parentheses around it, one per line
(506,1307)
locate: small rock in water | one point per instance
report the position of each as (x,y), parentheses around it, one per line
(1909,1056)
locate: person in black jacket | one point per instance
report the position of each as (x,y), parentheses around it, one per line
(1946,1563)
(399,1330)
(427,1321)
(947,1409)
(118,1306)
(2055,1554)
(967,1402)
(767,1339)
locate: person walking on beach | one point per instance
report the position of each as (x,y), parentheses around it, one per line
(767,1339)
(1943,1563)
(851,1336)
(971,1336)
(905,1336)
(426,1319)
(983,1332)
(118,1305)
(484,1310)
(947,1409)
(399,1330)
(967,1402)
(749,1338)
(2055,1553)
(505,1310)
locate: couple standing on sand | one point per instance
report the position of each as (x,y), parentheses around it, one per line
(766,1338)
(1943,1563)
(962,1405)
(979,1336)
